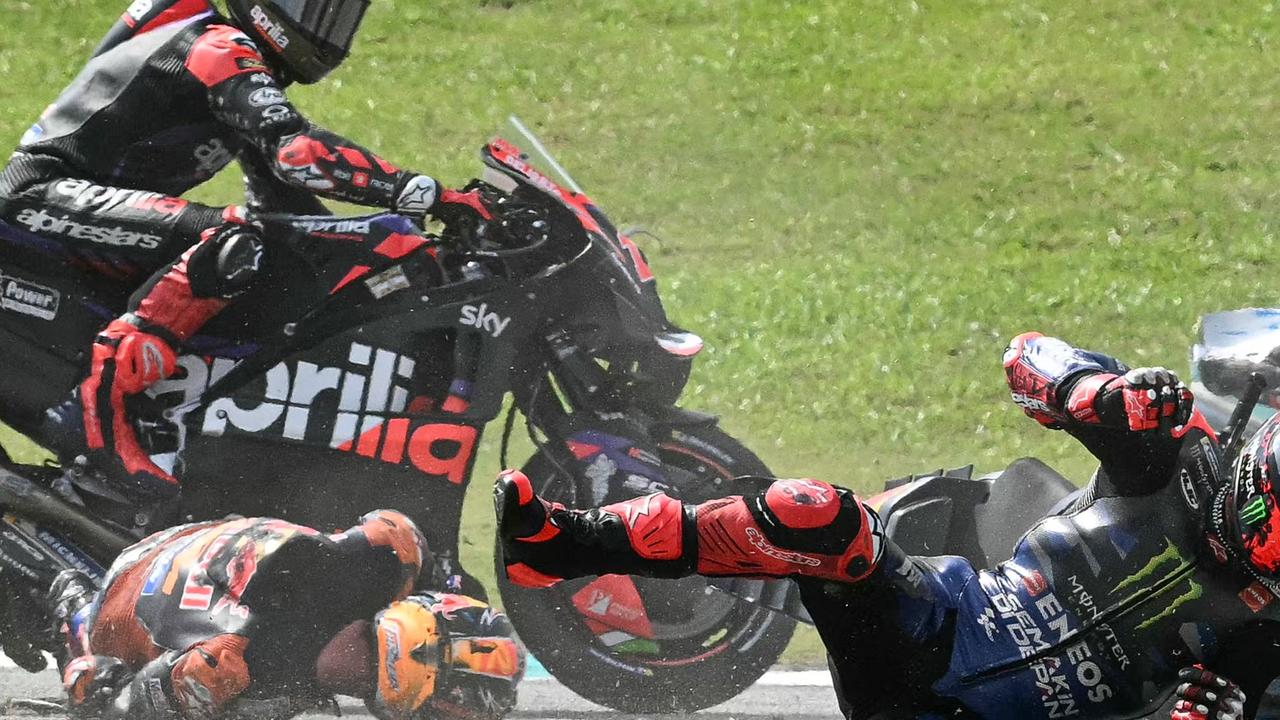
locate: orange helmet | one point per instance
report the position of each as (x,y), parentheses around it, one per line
(413,657)
(447,655)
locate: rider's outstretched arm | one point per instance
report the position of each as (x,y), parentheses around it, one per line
(1133,421)
(791,528)
(196,683)
(244,94)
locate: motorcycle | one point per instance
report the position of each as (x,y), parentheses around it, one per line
(368,384)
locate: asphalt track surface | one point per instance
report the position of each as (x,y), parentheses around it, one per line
(796,696)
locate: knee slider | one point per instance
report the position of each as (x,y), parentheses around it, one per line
(807,516)
(226,262)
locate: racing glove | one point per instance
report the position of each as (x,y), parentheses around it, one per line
(1207,696)
(422,196)
(126,361)
(1155,399)
(1150,398)
(93,682)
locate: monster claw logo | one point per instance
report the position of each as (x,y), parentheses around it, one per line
(1167,563)
(1255,511)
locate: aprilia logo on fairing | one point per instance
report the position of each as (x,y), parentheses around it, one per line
(478,317)
(353,227)
(274,32)
(369,397)
(41,222)
(28,298)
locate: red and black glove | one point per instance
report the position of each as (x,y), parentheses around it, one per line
(126,361)
(1155,399)
(454,206)
(421,195)
(1207,696)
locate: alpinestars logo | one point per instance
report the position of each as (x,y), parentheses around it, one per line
(270,29)
(42,223)
(370,400)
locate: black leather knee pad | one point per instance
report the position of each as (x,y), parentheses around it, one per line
(227,263)
(807,516)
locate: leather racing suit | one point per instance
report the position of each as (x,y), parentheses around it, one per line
(210,613)
(1093,616)
(172,95)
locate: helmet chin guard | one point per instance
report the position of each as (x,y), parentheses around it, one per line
(1246,512)
(445,655)
(307,39)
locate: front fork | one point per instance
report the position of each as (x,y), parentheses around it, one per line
(596,434)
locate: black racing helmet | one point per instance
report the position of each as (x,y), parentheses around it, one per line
(1246,511)
(307,38)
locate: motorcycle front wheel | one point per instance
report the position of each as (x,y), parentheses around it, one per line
(640,645)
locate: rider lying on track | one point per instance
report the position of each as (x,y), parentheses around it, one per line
(1159,565)
(262,618)
(173,94)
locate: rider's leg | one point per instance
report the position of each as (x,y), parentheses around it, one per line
(120,234)
(885,617)
(112,231)
(889,637)
(792,528)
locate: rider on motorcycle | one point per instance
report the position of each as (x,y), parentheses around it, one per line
(174,92)
(258,617)
(1158,565)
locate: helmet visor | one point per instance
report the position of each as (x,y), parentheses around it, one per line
(328,22)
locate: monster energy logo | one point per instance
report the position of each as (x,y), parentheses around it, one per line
(1169,561)
(1254,511)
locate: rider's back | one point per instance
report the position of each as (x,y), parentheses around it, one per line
(137,115)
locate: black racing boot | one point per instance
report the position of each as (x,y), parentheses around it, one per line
(544,543)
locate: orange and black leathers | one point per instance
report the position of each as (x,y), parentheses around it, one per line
(201,614)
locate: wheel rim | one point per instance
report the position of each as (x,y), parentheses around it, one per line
(684,620)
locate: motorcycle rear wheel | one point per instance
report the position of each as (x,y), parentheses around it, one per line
(706,646)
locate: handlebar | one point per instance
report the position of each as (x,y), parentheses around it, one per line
(1234,431)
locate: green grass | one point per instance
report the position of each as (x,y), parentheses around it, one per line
(860,201)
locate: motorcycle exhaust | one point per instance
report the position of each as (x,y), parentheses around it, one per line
(33,502)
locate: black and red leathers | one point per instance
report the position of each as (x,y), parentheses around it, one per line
(173,94)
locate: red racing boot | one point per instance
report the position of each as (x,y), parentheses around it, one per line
(543,543)
(793,528)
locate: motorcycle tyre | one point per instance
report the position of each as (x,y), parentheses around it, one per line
(678,689)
